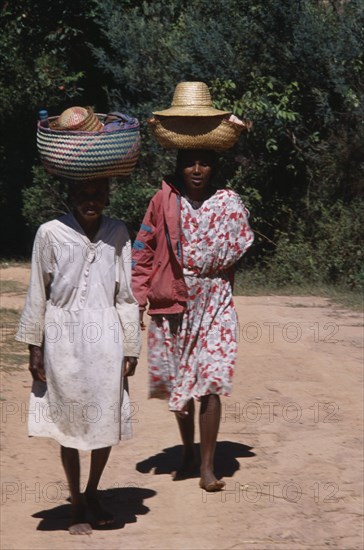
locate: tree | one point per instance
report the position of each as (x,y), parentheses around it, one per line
(38,68)
(294,67)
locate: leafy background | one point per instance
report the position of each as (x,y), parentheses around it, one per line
(294,67)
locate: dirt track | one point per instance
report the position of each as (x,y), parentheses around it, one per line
(290,448)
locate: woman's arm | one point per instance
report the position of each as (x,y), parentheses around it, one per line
(143,256)
(31,324)
(126,304)
(36,363)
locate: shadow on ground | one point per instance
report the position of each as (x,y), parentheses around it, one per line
(169,460)
(125,503)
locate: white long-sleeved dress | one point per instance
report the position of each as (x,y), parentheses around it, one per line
(80,307)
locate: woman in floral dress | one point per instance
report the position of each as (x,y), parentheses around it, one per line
(184,256)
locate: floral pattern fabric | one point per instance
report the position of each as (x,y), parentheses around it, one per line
(193,354)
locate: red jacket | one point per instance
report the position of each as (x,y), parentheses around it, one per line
(157,255)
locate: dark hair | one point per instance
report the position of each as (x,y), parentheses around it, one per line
(74,185)
(185,153)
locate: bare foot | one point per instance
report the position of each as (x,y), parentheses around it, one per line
(213,486)
(102,516)
(209,482)
(80,529)
(78,524)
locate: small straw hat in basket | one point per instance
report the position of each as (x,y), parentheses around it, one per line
(81,119)
(193,123)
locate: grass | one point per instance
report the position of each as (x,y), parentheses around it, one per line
(13,287)
(246,285)
(13,262)
(13,354)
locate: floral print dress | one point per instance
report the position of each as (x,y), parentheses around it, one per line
(193,354)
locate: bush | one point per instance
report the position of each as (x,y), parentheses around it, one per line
(325,250)
(295,68)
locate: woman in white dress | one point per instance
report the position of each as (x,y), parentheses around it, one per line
(80,321)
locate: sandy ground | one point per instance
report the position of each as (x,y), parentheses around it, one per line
(290,447)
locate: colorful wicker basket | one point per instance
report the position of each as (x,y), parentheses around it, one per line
(89,155)
(199,132)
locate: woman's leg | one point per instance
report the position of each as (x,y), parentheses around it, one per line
(210,413)
(99,458)
(71,464)
(186,424)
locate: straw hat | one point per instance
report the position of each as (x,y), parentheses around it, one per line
(78,119)
(191,99)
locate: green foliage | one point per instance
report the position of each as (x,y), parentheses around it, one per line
(46,199)
(127,201)
(34,68)
(295,68)
(326,250)
(36,42)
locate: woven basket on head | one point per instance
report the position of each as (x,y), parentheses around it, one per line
(81,155)
(176,132)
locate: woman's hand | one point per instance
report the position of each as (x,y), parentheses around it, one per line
(142,324)
(130,364)
(36,363)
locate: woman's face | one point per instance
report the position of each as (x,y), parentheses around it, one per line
(196,168)
(89,199)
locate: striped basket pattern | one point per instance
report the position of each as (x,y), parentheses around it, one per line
(88,155)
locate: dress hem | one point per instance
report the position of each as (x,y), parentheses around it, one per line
(83,447)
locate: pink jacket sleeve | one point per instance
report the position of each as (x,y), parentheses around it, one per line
(143,256)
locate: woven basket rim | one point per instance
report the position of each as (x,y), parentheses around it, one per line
(155,120)
(214,139)
(50,131)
